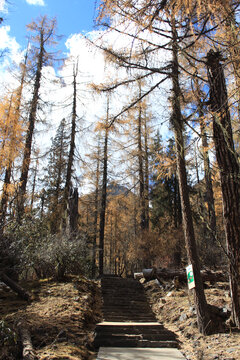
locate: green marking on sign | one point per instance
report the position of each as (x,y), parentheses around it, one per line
(190,277)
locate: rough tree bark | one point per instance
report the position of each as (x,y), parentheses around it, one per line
(73,211)
(103,195)
(207,170)
(31,126)
(4,200)
(229,171)
(96,211)
(14,286)
(203,316)
(73,135)
(34,184)
(140,164)
(28,352)
(146,171)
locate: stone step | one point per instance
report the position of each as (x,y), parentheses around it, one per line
(122,294)
(121,326)
(165,336)
(108,353)
(120,286)
(123,310)
(138,330)
(131,299)
(125,319)
(111,342)
(125,304)
(128,318)
(128,314)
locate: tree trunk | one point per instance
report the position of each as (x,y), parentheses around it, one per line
(4,201)
(207,172)
(232,37)
(15,287)
(68,183)
(201,209)
(146,159)
(30,131)
(208,185)
(96,206)
(140,166)
(203,318)
(73,134)
(169,274)
(229,171)
(28,352)
(34,185)
(103,196)
(73,211)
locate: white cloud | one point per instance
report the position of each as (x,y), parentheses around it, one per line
(10,53)
(36,2)
(3,7)
(92,69)
(8,42)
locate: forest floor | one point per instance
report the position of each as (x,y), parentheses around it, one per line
(61,318)
(174,307)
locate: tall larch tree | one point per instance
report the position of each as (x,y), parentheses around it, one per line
(203,316)
(229,171)
(12,130)
(150,16)
(43,34)
(72,146)
(103,200)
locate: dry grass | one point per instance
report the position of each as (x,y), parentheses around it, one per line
(175,308)
(61,317)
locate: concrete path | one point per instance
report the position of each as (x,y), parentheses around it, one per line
(129,330)
(108,353)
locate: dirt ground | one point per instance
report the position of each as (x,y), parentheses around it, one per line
(61,319)
(174,307)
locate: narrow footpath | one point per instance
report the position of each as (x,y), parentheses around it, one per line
(129,330)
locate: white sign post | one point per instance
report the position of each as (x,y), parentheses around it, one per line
(190,277)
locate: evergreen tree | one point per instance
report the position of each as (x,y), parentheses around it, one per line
(56,177)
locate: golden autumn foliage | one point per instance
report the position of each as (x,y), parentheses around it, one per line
(145,12)
(11,130)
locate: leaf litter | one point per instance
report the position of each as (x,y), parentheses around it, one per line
(61,318)
(174,307)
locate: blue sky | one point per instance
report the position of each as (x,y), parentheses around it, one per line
(73,16)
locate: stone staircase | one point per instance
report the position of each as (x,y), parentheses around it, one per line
(128,320)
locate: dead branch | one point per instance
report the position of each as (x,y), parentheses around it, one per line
(15,287)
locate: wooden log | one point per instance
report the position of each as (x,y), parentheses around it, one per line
(28,352)
(15,287)
(181,275)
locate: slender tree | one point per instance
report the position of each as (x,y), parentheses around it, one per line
(149,16)
(229,171)
(44,30)
(203,317)
(96,210)
(54,180)
(73,134)
(11,144)
(103,192)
